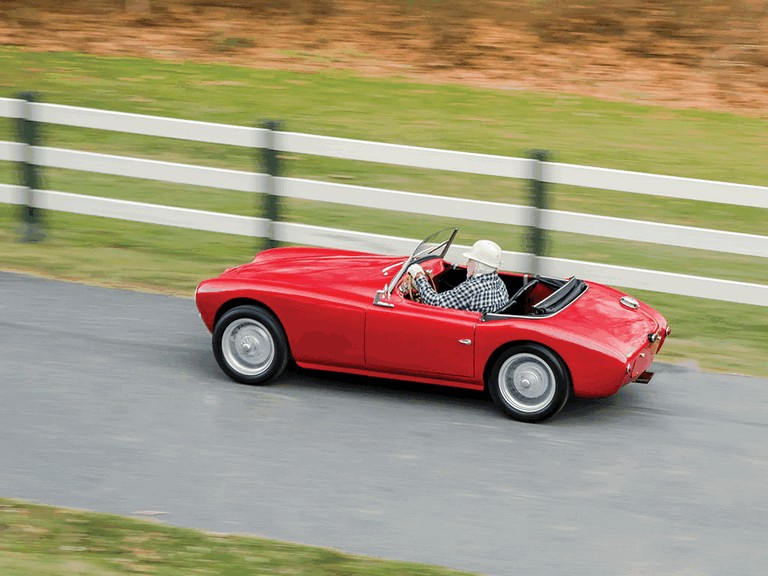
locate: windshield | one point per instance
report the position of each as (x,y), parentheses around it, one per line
(435,245)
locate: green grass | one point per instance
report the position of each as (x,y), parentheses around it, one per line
(38,539)
(577,130)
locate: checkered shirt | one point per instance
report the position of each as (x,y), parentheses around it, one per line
(486,293)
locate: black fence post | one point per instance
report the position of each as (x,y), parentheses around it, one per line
(537,236)
(28,133)
(270,164)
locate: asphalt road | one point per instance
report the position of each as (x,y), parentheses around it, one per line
(111,401)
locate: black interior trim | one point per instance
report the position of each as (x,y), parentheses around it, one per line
(560,297)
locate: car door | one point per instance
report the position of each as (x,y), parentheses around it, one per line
(413,338)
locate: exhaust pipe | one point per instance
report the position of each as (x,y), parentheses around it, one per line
(645,377)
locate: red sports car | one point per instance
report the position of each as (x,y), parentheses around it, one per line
(353,312)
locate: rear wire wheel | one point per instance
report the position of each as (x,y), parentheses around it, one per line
(250,345)
(529,382)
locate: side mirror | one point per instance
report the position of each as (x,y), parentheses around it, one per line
(379,299)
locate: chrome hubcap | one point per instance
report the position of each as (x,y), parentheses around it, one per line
(526,382)
(248,347)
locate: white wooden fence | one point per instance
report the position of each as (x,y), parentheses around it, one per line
(501,166)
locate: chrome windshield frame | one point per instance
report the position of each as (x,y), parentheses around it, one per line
(420,252)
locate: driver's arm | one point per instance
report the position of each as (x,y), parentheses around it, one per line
(415,270)
(459,298)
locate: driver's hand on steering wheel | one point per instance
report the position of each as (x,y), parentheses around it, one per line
(415,270)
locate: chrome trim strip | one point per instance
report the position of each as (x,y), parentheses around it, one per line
(386,269)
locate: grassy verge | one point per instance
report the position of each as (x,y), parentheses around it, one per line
(579,130)
(62,542)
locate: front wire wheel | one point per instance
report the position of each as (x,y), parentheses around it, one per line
(249,345)
(529,382)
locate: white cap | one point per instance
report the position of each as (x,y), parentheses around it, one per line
(485,252)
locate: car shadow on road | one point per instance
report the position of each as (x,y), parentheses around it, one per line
(593,410)
(628,401)
(578,411)
(383,388)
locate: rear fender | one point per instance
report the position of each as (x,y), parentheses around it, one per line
(504,347)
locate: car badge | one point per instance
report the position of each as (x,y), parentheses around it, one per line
(629,302)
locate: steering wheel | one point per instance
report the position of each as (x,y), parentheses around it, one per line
(408,289)
(522,290)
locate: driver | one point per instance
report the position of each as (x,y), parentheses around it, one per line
(482,291)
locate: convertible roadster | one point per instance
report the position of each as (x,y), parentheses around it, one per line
(355,312)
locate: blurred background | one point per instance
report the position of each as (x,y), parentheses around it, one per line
(125,410)
(692,53)
(676,87)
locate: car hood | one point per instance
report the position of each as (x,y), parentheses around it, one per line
(321,268)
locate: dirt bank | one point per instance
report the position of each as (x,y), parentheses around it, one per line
(629,50)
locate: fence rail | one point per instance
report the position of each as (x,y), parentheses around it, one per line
(366,197)
(431,158)
(657,185)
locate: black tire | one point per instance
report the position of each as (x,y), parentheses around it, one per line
(529,382)
(250,345)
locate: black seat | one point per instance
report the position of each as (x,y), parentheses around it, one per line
(527,285)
